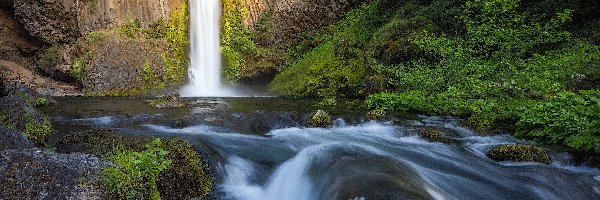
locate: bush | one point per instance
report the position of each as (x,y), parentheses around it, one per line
(569,119)
(130,28)
(78,67)
(320,119)
(37,132)
(96,36)
(156,30)
(135,173)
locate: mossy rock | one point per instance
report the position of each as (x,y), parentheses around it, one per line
(187,177)
(320,119)
(431,134)
(170,101)
(375,115)
(519,153)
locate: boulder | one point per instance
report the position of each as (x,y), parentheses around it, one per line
(320,119)
(12,139)
(36,174)
(519,153)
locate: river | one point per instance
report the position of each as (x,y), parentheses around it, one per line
(258,149)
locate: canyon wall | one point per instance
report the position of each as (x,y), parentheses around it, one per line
(294,18)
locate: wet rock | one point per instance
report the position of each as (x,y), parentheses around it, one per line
(36,174)
(19,114)
(431,134)
(375,115)
(171,101)
(13,139)
(519,153)
(320,119)
(187,177)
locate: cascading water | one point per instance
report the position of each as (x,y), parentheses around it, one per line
(205,60)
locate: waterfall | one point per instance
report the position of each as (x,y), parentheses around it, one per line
(205,59)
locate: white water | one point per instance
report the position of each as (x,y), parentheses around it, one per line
(205,59)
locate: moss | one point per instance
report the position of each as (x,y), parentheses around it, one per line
(96,36)
(166,102)
(37,132)
(156,30)
(328,101)
(78,68)
(431,134)
(320,119)
(130,28)
(177,37)
(519,153)
(186,178)
(375,114)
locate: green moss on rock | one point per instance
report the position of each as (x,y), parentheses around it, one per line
(375,114)
(320,119)
(519,153)
(170,101)
(186,178)
(431,134)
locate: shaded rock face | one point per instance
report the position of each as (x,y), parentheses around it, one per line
(12,139)
(34,174)
(18,111)
(117,64)
(15,44)
(293,18)
(48,20)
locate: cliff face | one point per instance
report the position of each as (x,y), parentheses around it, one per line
(293,18)
(49,36)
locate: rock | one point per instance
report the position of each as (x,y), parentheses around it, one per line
(12,139)
(519,153)
(171,101)
(50,21)
(19,114)
(431,134)
(187,177)
(35,174)
(320,119)
(375,115)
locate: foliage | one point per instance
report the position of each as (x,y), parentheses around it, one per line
(156,30)
(236,40)
(177,37)
(264,29)
(78,68)
(336,66)
(134,173)
(569,118)
(129,28)
(96,36)
(37,132)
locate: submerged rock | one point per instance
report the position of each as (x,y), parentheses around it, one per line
(320,119)
(519,153)
(38,174)
(431,134)
(171,101)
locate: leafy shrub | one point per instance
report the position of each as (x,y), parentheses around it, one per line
(568,119)
(135,173)
(156,30)
(96,36)
(78,67)
(177,37)
(130,28)
(37,132)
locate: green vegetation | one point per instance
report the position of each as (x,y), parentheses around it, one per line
(157,30)
(319,119)
(136,173)
(78,67)
(37,132)
(96,36)
(568,119)
(177,37)
(129,28)
(496,63)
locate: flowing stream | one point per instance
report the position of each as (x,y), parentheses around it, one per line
(205,59)
(259,150)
